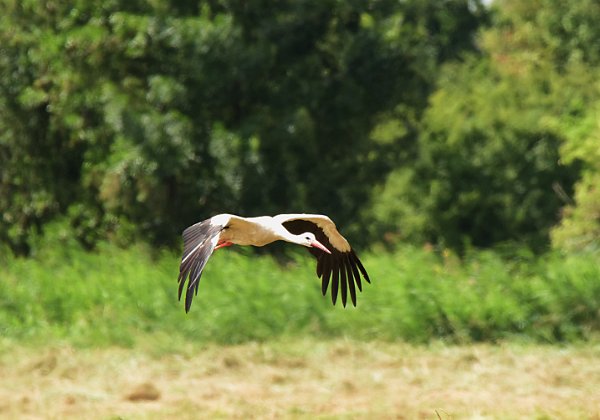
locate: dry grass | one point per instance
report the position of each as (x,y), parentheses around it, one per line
(302,379)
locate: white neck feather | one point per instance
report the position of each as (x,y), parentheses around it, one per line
(286,235)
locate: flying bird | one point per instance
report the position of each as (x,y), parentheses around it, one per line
(337,263)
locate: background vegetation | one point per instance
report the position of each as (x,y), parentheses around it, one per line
(124,296)
(458,142)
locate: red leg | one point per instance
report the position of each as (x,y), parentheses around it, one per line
(223,244)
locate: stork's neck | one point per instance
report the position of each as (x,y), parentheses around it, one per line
(286,235)
(259,231)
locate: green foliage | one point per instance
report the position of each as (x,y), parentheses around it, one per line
(552,44)
(503,140)
(130,121)
(117,296)
(134,120)
(493,171)
(487,165)
(580,226)
(547,31)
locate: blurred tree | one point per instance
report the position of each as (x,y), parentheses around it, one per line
(495,158)
(560,40)
(137,118)
(580,226)
(566,40)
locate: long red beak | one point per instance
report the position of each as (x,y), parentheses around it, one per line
(317,244)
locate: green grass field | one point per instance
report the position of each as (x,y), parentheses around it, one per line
(116,296)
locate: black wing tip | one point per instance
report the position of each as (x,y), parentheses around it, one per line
(192,290)
(360,266)
(189,296)
(182,283)
(180,292)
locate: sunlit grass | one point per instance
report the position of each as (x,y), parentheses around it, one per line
(301,378)
(118,296)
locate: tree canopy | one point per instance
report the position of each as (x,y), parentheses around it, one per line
(438,121)
(510,132)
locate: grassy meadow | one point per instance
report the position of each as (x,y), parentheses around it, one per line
(102,335)
(302,379)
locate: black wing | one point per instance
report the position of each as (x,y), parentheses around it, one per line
(341,269)
(199,242)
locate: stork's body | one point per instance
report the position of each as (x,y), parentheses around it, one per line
(336,261)
(255,231)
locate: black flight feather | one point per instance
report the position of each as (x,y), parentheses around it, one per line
(326,275)
(343,269)
(351,287)
(334,284)
(343,283)
(355,271)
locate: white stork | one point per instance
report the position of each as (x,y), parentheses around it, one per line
(336,261)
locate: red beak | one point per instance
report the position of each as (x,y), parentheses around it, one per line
(317,244)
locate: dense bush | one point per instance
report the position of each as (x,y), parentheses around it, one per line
(117,296)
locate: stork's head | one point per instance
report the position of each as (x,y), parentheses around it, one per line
(309,240)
